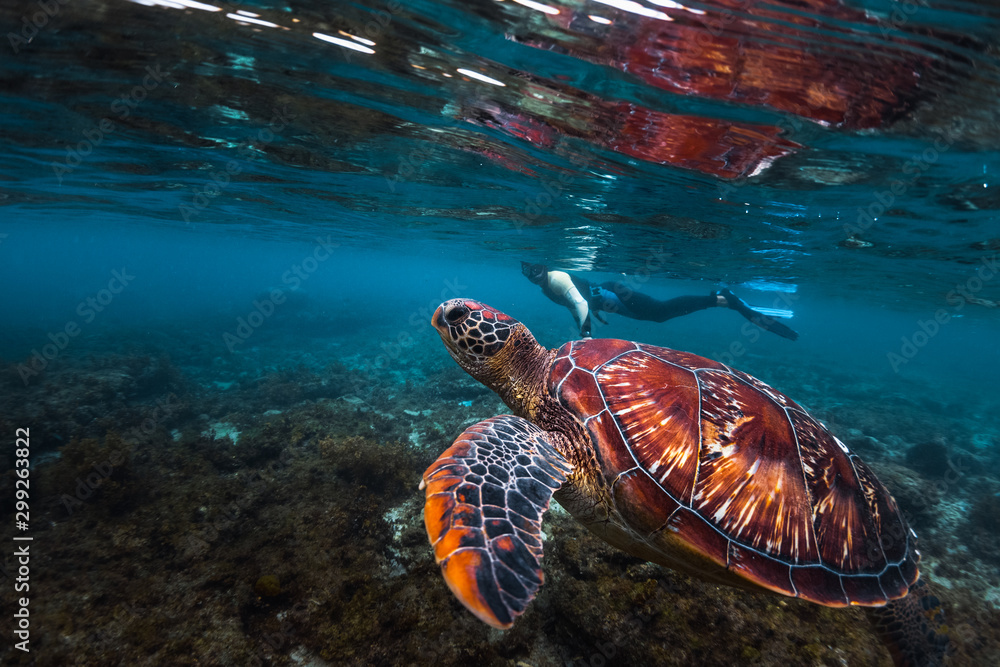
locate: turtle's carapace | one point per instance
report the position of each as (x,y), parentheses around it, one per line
(672,458)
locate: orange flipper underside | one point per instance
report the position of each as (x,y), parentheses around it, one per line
(485,498)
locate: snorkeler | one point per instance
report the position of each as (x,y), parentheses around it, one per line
(584,299)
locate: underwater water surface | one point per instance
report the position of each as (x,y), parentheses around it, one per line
(225,227)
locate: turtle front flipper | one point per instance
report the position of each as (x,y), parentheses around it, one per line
(485,498)
(912,628)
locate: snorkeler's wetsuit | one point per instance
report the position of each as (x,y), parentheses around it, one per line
(584,298)
(618,298)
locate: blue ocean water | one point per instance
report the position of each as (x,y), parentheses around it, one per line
(225,228)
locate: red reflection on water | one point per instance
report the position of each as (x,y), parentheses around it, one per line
(816,59)
(723,148)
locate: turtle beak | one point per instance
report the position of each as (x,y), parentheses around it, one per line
(437,319)
(446,317)
(439,323)
(451,312)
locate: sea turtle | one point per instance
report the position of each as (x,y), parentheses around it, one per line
(673,458)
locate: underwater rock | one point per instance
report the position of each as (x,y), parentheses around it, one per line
(267,586)
(930,459)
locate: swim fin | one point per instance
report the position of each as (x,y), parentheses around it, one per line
(758,318)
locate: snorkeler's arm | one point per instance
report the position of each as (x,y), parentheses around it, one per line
(562,285)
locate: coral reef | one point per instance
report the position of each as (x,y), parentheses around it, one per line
(303,541)
(87,398)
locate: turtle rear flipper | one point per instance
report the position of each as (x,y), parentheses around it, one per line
(912,628)
(485,498)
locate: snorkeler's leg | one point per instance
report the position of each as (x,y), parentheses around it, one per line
(641,306)
(760,319)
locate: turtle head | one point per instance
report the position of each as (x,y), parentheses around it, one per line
(491,346)
(472,331)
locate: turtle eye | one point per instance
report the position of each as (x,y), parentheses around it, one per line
(455,314)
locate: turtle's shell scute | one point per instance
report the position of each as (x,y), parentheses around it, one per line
(737,470)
